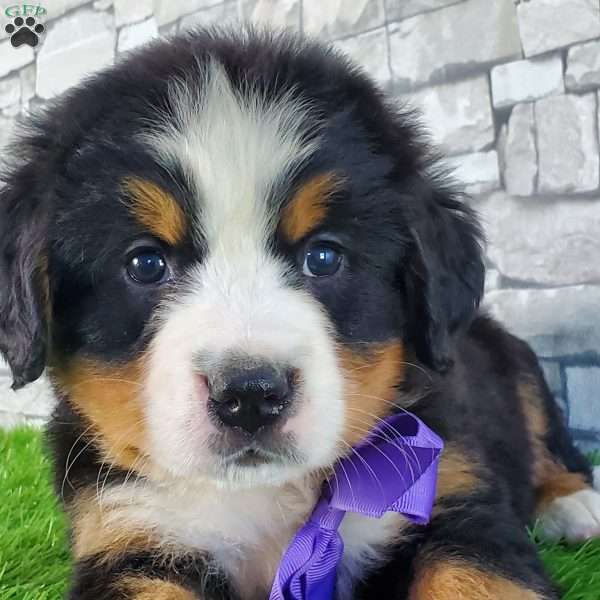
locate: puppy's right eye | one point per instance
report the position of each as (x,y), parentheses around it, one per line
(147,266)
(321,260)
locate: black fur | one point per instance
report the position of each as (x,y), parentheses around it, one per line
(97,581)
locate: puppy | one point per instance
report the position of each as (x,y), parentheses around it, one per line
(234,257)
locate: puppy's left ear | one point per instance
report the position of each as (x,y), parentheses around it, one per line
(444,274)
(23,275)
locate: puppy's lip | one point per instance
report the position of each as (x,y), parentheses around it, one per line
(256,452)
(251,457)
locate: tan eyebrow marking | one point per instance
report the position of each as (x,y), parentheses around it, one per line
(156,210)
(308,208)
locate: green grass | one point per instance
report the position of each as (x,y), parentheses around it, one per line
(34,560)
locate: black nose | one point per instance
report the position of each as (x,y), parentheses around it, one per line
(253,398)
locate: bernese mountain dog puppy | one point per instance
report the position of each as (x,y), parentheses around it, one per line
(235,257)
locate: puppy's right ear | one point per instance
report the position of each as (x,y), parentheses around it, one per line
(23,273)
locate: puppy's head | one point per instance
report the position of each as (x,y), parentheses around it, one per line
(226,249)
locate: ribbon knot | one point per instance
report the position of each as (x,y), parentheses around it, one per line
(393,469)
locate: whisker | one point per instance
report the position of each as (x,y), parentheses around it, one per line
(68,466)
(282,512)
(368,467)
(396,433)
(400,363)
(341,465)
(394,465)
(393,404)
(111,454)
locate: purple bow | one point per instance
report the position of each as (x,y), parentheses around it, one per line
(393,469)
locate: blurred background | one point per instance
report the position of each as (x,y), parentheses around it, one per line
(507,88)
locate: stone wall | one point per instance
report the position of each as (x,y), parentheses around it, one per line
(509,91)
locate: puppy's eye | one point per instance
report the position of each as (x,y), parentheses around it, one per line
(321,260)
(147,266)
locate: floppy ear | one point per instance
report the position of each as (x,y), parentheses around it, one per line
(23,276)
(444,276)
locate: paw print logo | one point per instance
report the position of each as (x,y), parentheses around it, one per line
(24,31)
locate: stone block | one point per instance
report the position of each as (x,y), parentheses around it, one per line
(57,8)
(553,376)
(590,442)
(525,80)
(221,14)
(27,76)
(564,408)
(75,46)
(127,12)
(583,386)
(520,152)
(7,126)
(370,51)
(14,110)
(167,11)
(275,13)
(501,147)
(458,115)
(492,280)
(476,173)
(337,18)
(549,24)
(567,144)
(12,58)
(557,322)
(102,4)
(10,90)
(583,67)
(453,41)
(543,241)
(402,9)
(169,29)
(132,36)
(34,400)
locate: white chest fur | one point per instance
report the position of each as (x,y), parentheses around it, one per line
(246,531)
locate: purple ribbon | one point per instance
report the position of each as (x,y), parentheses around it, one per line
(393,469)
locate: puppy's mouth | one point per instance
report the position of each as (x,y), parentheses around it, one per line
(256,453)
(253,457)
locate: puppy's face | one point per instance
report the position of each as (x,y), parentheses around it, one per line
(237,266)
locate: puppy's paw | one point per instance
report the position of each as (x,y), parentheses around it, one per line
(575,518)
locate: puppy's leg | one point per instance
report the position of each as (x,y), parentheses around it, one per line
(92,583)
(567,505)
(475,549)
(147,575)
(114,560)
(458,580)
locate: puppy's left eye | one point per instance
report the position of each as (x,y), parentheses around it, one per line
(147,266)
(321,260)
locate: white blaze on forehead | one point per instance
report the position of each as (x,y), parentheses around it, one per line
(235,147)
